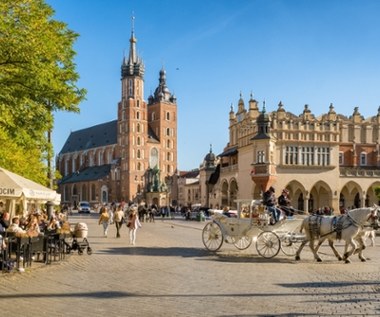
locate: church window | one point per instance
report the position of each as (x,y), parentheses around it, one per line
(138,103)
(168,156)
(138,115)
(138,154)
(139,166)
(138,127)
(123,116)
(168,115)
(168,144)
(168,169)
(168,131)
(153,116)
(130,88)
(93,192)
(138,141)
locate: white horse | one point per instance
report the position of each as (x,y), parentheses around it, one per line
(349,227)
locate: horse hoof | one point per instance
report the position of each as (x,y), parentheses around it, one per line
(363,260)
(340,259)
(298,258)
(347,261)
(319,260)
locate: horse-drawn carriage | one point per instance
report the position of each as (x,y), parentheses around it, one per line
(254,224)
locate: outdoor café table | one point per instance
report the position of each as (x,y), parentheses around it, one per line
(20,246)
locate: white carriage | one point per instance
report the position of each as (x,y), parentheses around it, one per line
(253,224)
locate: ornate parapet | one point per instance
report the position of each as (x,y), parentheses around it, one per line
(358,172)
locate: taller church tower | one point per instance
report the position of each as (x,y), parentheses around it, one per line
(147,134)
(132,124)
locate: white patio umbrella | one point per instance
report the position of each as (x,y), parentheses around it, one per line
(18,188)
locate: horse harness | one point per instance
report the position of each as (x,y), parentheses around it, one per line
(337,225)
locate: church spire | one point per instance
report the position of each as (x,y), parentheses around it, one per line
(133,65)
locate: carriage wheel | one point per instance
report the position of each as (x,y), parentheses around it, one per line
(89,251)
(212,236)
(288,246)
(268,244)
(243,243)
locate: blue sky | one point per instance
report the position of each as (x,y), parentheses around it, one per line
(297,52)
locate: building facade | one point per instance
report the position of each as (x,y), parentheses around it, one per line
(331,160)
(130,158)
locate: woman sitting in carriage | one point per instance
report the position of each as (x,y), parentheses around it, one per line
(285,204)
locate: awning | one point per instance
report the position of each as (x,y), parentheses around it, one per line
(16,186)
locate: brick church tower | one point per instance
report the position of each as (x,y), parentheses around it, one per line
(147,133)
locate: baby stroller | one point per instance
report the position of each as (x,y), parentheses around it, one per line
(80,232)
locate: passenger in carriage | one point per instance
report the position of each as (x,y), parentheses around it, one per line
(285,204)
(269,200)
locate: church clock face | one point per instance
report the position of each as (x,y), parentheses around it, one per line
(153,160)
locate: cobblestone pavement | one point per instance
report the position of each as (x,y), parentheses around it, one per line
(170,273)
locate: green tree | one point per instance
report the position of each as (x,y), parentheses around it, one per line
(37,77)
(377,192)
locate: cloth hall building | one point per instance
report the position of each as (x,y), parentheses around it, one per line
(331,160)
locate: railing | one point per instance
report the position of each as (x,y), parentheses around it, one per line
(358,172)
(230,168)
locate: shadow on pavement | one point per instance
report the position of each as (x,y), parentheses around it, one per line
(193,252)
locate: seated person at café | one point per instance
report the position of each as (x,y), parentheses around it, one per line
(53,223)
(15,226)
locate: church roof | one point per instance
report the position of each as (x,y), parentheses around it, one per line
(88,174)
(92,137)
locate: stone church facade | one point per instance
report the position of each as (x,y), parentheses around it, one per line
(128,159)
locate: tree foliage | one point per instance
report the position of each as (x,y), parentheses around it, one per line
(37,75)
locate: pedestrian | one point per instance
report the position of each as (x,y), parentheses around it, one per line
(118,218)
(104,220)
(133,224)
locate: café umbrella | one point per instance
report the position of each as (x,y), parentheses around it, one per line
(15,188)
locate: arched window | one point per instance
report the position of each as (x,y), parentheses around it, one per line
(130,88)
(168,144)
(138,154)
(168,131)
(168,115)
(139,166)
(153,116)
(138,127)
(138,115)
(138,140)
(168,156)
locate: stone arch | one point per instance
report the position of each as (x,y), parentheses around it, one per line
(371,196)
(224,193)
(297,194)
(350,195)
(321,196)
(233,193)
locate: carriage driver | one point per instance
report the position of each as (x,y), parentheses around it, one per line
(269,200)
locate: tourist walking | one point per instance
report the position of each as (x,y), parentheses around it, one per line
(104,220)
(118,218)
(133,224)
